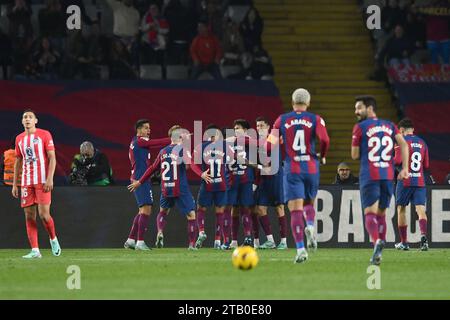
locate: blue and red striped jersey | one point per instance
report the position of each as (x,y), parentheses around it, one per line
(139,154)
(171,161)
(214,158)
(417,162)
(240,173)
(298,131)
(375,138)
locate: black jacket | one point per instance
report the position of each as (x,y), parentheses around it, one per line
(93,170)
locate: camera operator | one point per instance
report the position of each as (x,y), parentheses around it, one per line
(90,167)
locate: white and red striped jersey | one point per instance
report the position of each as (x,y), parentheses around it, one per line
(32,148)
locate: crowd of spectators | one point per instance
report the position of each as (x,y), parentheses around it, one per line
(200,34)
(412,32)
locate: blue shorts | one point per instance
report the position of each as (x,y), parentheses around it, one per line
(185,203)
(144,195)
(300,186)
(417,196)
(211,198)
(241,195)
(376,190)
(270,191)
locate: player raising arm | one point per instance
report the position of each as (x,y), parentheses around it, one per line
(373,143)
(174,184)
(298,131)
(139,157)
(35,156)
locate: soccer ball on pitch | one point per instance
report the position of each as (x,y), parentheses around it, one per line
(245,258)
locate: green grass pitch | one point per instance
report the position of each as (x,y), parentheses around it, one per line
(209,274)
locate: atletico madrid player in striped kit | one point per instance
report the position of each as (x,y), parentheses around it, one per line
(35,156)
(373,143)
(413,188)
(298,131)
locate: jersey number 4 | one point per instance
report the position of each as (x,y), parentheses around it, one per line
(299,142)
(375,144)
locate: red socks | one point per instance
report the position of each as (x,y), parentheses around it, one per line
(50,227)
(372,226)
(32,233)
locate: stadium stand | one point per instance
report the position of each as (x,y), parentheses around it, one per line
(327,51)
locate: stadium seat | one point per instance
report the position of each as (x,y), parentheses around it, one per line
(227,71)
(151,72)
(177,72)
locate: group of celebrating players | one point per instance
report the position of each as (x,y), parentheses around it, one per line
(285,170)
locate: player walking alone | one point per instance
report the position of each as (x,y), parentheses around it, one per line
(35,157)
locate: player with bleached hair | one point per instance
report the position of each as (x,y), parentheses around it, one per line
(297,131)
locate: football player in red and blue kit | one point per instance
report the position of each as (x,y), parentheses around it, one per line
(269,193)
(298,131)
(412,189)
(373,143)
(174,184)
(140,157)
(214,157)
(240,194)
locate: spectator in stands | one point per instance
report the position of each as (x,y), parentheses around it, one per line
(232,44)
(20,20)
(84,54)
(52,24)
(90,167)
(205,53)
(261,67)
(5,54)
(23,64)
(415,31)
(344,175)
(182,29)
(252,29)
(210,12)
(155,30)
(438,38)
(120,62)
(126,21)
(47,60)
(397,50)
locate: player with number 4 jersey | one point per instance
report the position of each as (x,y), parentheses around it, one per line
(412,189)
(298,131)
(373,143)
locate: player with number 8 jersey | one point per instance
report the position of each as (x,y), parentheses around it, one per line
(412,189)
(373,143)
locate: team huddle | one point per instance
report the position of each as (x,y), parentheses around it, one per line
(281,162)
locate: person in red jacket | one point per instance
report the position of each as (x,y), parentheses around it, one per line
(205,53)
